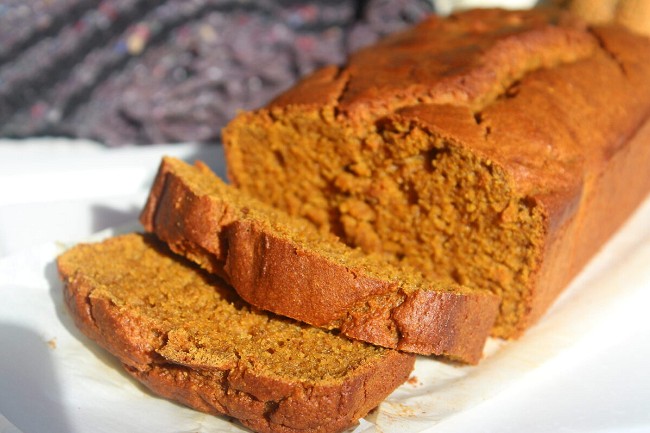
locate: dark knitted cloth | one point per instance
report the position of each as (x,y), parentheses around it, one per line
(142,71)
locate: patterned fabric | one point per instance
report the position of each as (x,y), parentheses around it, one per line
(143,71)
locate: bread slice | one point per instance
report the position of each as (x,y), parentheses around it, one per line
(284,265)
(496,149)
(188,337)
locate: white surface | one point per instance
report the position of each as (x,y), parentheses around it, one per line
(64,189)
(582,369)
(445,7)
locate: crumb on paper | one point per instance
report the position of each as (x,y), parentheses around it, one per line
(413,380)
(52,343)
(402,410)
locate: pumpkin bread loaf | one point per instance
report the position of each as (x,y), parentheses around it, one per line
(189,338)
(494,149)
(285,265)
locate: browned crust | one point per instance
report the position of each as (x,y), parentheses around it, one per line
(615,186)
(610,197)
(277,275)
(267,406)
(189,224)
(474,57)
(261,403)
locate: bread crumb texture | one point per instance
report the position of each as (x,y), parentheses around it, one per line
(188,336)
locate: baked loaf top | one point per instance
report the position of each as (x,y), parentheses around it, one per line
(188,337)
(505,78)
(492,148)
(283,264)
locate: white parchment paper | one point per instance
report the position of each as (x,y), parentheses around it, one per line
(53,379)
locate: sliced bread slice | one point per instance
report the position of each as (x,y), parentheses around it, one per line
(188,337)
(284,265)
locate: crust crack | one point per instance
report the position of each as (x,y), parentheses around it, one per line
(611,54)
